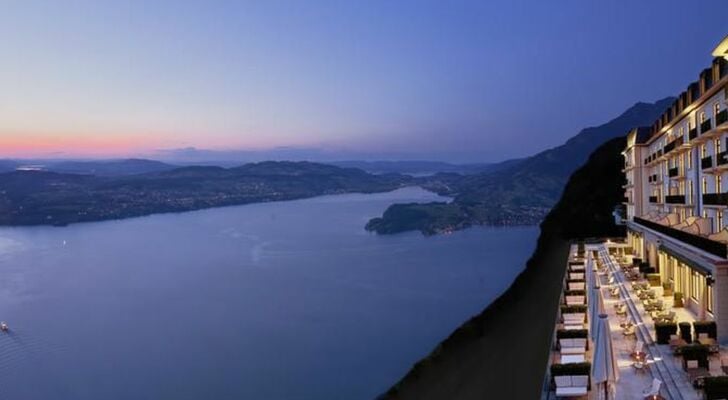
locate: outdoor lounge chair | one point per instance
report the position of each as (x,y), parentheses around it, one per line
(576,275)
(654,389)
(573,318)
(576,268)
(575,300)
(571,386)
(572,346)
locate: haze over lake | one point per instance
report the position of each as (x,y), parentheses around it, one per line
(288,300)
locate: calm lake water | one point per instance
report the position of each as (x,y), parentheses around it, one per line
(290,300)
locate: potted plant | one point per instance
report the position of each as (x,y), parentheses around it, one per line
(667,289)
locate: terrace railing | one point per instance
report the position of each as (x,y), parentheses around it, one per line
(675,199)
(710,246)
(721,117)
(705,126)
(715,199)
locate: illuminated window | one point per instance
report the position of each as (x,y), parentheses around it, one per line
(696,282)
(689,159)
(703,151)
(719,221)
(716,108)
(702,117)
(718,184)
(717,147)
(710,299)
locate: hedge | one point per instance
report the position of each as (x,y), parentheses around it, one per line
(572,334)
(575,309)
(571,369)
(708,327)
(663,330)
(716,387)
(685,331)
(697,352)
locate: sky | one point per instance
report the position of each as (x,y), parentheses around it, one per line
(459,81)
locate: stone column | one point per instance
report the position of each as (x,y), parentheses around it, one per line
(720,302)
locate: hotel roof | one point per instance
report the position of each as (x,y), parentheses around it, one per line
(721,50)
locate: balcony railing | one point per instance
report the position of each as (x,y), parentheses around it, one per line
(653,199)
(705,126)
(706,162)
(693,133)
(703,243)
(721,118)
(715,199)
(675,199)
(721,158)
(669,147)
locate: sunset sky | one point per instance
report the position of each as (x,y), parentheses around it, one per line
(456,81)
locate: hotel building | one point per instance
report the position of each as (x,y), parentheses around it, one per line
(676,184)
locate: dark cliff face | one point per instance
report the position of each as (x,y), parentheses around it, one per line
(503,351)
(538,180)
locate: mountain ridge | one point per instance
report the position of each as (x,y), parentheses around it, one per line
(521,194)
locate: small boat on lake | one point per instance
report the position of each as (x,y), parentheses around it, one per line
(4,326)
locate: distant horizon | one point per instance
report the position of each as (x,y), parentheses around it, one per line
(466,82)
(192,155)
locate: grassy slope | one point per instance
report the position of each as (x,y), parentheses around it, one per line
(502,352)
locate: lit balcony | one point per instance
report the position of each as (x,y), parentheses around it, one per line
(706,162)
(693,133)
(701,242)
(705,127)
(715,199)
(675,199)
(721,118)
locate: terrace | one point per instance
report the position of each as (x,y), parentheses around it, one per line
(650,359)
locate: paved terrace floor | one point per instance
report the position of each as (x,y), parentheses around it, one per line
(662,364)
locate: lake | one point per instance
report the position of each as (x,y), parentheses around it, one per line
(286,300)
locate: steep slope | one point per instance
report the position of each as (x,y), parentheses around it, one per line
(501,353)
(520,194)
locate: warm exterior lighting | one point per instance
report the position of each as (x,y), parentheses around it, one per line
(722,49)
